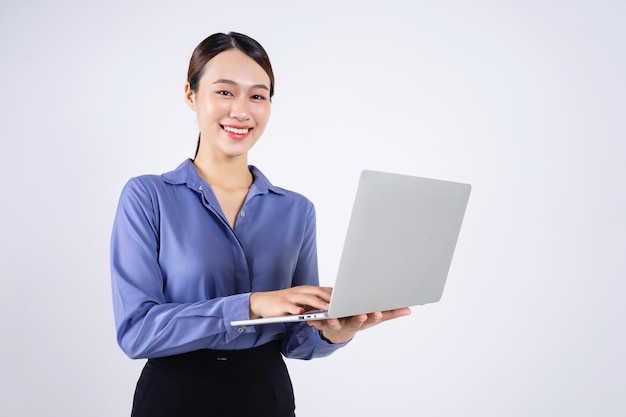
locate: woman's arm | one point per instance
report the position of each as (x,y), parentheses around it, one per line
(147,325)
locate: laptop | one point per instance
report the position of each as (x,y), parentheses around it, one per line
(398,247)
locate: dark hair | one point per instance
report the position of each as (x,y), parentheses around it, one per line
(220,42)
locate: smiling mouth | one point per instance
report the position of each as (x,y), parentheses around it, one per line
(237,131)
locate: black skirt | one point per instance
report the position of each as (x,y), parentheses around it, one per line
(208,383)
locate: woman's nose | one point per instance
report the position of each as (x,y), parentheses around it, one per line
(239,109)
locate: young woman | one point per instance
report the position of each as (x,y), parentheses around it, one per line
(215,241)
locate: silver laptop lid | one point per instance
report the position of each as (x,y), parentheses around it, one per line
(399,244)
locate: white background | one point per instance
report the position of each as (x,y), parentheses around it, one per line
(524,100)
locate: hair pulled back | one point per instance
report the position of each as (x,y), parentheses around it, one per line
(220,42)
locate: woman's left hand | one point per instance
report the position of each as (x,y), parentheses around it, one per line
(343,330)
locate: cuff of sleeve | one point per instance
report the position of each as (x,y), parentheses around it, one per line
(323,346)
(328,342)
(237,307)
(324,339)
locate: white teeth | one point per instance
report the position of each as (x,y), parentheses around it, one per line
(237,131)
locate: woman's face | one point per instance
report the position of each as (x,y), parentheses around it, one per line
(232,104)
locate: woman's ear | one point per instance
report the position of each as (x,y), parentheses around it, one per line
(190,97)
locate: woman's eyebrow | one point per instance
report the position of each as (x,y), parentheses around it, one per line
(231,82)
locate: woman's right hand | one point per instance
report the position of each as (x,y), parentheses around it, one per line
(295,300)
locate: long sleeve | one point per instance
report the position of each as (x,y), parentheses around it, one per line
(147,324)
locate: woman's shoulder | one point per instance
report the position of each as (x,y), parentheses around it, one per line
(264,184)
(146,183)
(294,195)
(155,182)
(140,191)
(149,188)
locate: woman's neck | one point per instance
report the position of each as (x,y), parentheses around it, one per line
(226,173)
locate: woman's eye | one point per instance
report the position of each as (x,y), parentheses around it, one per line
(258,97)
(224,93)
